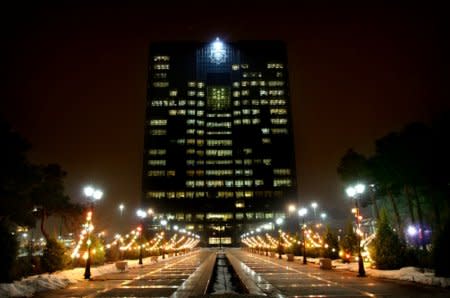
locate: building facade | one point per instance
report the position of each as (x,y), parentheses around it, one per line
(219,152)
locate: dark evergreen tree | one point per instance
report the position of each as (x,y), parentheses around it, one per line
(54,257)
(387,249)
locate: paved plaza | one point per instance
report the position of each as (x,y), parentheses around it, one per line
(189,276)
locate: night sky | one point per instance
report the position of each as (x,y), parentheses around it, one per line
(76,84)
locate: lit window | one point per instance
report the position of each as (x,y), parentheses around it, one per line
(199,172)
(255,102)
(247,151)
(158,132)
(238,183)
(239,216)
(199,183)
(219,172)
(248,162)
(282,182)
(191,112)
(248,183)
(264,102)
(246,121)
(244,66)
(157,151)
(236,84)
(191,102)
(181,103)
(157,162)
(190,141)
(160,75)
(266,140)
(156,194)
(248,172)
(171,173)
(276,92)
(274,102)
(236,103)
(277,131)
(275,83)
(262,83)
(190,183)
(238,172)
(267,161)
(200,103)
(191,93)
(161,66)
(225,194)
(282,172)
(158,122)
(173,93)
(265,131)
(240,204)
(219,142)
(236,93)
(191,84)
(190,151)
(200,132)
(190,173)
(218,97)
(253,83)
(200,84)
(279,74)
(262,92)
(190,122)
(278,121)
(160,84)
(216,152)
(256,121)
(245,92)
(190,162)
(214,183)
(161,58)
(278,111)
(274,65)
(201,94)
(235,67)
(259,182)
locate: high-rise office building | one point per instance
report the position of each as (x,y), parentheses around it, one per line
(219,153)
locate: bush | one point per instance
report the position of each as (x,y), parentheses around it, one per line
(349,242)
(331,245)
(387,250)
(8,253)
(54,257)
(441,248)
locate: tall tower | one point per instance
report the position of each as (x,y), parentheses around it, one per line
(219,152)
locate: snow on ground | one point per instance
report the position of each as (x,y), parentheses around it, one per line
(413,274)
(58,280)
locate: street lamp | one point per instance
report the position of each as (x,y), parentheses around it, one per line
(141,214)
(279,222)
(302,213)
(92,195)
(163,224)
(355,192)
(121,207)
(323,215)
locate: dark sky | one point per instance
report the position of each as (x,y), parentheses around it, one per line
(76,83)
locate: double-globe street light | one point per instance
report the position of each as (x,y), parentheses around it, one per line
(355,192)
(141,214)
(92,195)
(302,213)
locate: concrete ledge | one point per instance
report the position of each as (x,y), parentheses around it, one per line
(247,281)
(197,284)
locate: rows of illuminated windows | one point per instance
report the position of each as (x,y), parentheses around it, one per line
(239,194)
(201,103)
(157,151)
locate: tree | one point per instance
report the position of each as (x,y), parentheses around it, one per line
(49,197)
(16,178)
(349,242)
(354,167)
(54,257)
(387,249)
(331,245)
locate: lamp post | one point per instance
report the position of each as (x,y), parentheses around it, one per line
(279,222)
(302,213)
(93,195)
(355,192)
(141,214)
(163,224)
